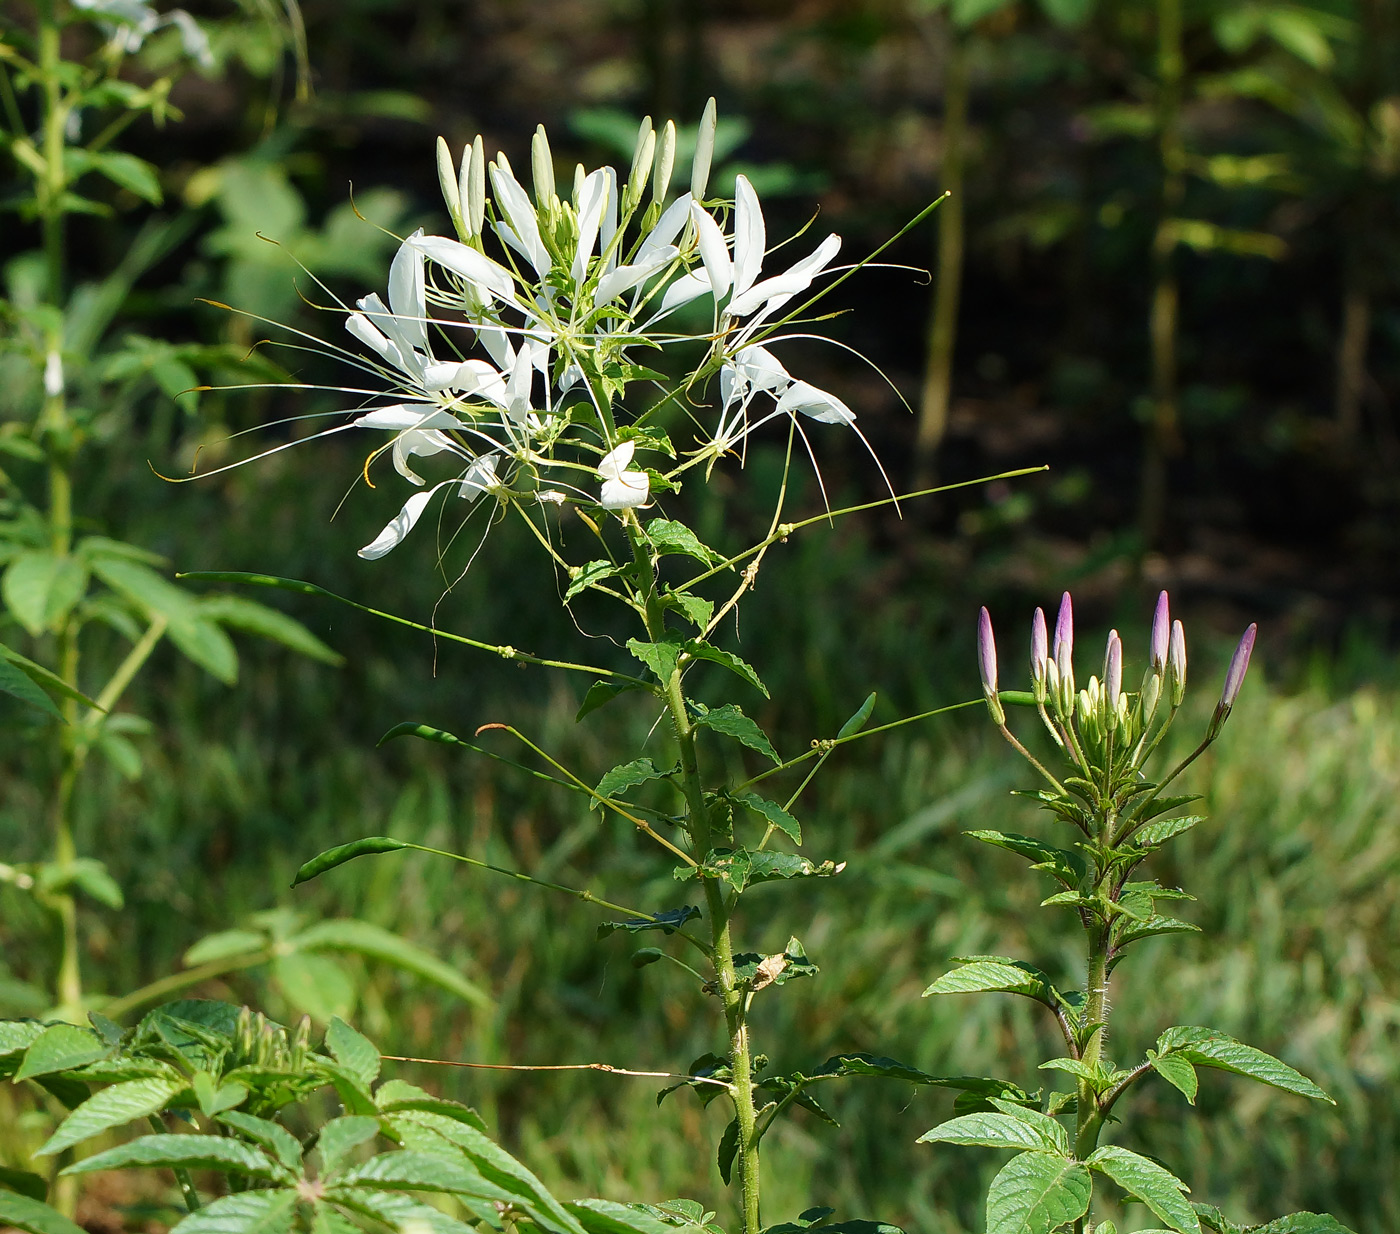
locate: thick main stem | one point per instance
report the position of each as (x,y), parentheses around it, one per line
(1090,1114)
(732,999)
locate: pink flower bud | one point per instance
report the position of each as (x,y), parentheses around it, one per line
(1040,647)
(1113,668)
(1161,633)
(987,663)
(1176,662)
(1239,665)
(1064,639)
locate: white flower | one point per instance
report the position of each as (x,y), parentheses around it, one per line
(622,489)
(480,477)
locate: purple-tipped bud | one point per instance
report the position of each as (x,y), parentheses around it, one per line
(1176,662)
(1161,633)
(987,664)
(1113,668)
(1064,639)
(1239,665)
(1040,647)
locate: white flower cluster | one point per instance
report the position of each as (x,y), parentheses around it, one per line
(511,363)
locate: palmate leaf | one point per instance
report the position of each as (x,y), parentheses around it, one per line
(586,575)
(1205,1047)
(398,1212)
(418,1171)
(342,853)
(111,1108)
(661,657)
(1037,1192)
(41,588)
(193,1152)
(399,1097)
(609,1217)
(1160,1190)
(668,536)
(352,1050)
(23,1212)
(19,1035)
(238,613)
(42,676)
(244,1212)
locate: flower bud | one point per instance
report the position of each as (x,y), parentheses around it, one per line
(704,152)
(641,160)
(1064,642)
(1040,654)
(665,163)
(1176,663)
(1113,668)
(1161,633)
(1239,665)
(473,184)
(447,181)
(542,167)
(1150,696)
(987,664)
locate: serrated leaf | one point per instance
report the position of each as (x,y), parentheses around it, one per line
(397,1096)
(193,1152)
(18,684)
(342,853)
(17,1035)
(364,938)
(41,588)
(695,609)
(1163,805)
(660,657)
(1303,1223)
(214,1098)
(602,692)
(1164,829)
(315,984)
(609,1217)
(1177,1071)
(741,867)
(625,776)
(998,974)
(244,1212)
(352,1050)
(273,1136)
(1065,865)
(1036,1193)
(341,1136)
(1159,1189)
(45,677)
(254,618)
(732,722)
(668,922)
(112,1107)
(772,813)
(728,1149)
(668,536)
(398,1212)
(1208,1048)
(588,574)
(22,1182)
(994,1129)
(60,1047)
(24,1212)
(858,721)
(697,649)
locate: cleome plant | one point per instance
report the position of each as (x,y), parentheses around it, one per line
(1120,817)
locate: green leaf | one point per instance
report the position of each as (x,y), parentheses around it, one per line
(342,853)
(272,1136)
(22,1182)
(197,637)
(367,939)
(45,677)
(625,776)
(19,685)
(1069,14)
(112,1107)
(1065,865)
(126,170)
(732,722)
(244,1212)
(1208,1048)
(214,1098)
(87,874)
(1036,1193)
(18,1035)
(753,971)
(423,1172)
(773,813)
(995,973)
(609,1217)
(742,867)
(601,692)
(667,922)
(858,721)
(59,1048)
(695,609)
(585,576)
(1297,1223)
(254,618)
(728,1149)
(668,536)
(889,1068)
(24,1212)
(1159,1189)
(1177,1071)
(352,1050)
(223,946)
(660,657)
(996,1129)
(40,589)
(1164,829)
(315,984)
(397,1095)
(398,1212)
(341,1136)
(192,1152)
(698,649)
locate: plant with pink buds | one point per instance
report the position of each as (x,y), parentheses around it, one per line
(1121,819)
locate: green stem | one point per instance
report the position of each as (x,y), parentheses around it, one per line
(182,1175)
(1095,1021)
(731,998)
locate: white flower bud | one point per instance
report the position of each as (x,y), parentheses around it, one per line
(704,152)
(665,163)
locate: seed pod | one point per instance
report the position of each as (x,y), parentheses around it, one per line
(987,664)
(1161,633)
(704,152)
(1176,663)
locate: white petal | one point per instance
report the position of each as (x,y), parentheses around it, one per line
(608,227)
(402,416)
(615,461)
(416,441)
(591,202)
(372,337)
(631,488)
(816,403)
(790,282)
(401,524)
(713,251)
(667,228)
(401,334)
(624,278)
(520,226)
(685,289)
(479,477)
(406,292)
(478,269)
(760,369)
(750,237)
